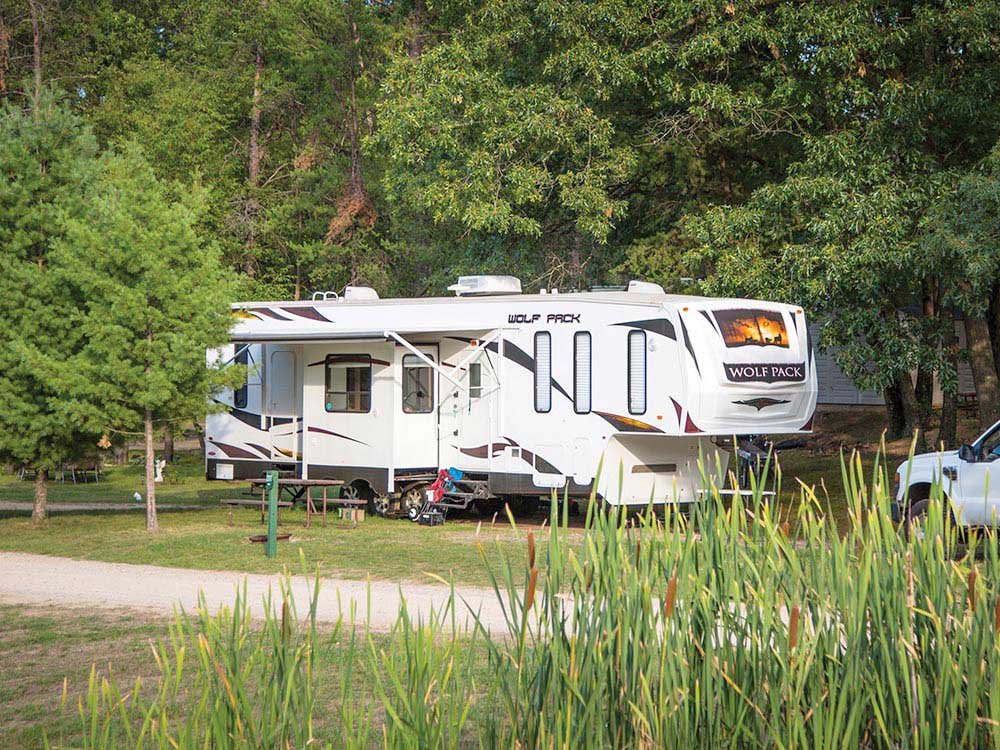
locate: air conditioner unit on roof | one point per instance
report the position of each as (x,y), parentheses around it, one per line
(468,286)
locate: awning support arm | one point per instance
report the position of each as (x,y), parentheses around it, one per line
(437,367)
(422,357)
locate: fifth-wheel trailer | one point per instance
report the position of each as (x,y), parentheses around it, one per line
(524,393)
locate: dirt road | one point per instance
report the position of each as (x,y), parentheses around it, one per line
(61,581)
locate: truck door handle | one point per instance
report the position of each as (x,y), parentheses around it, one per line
(950,472)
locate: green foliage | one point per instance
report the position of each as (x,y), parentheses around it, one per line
(844,146)
(152,295)
(47,170)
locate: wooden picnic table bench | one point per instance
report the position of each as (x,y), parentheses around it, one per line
(298,487)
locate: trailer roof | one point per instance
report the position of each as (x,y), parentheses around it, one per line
(370,319)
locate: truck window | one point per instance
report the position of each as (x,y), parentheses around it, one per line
(418,386)
(349,383)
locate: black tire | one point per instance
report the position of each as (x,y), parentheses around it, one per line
(916,517)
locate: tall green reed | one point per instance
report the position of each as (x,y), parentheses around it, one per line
(741,625)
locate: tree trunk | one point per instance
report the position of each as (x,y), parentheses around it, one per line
(984,371)
(993,321)
(151,523)
(925,375)
(254,159)
(168,444)
(39,510)
(200,431)
(35,9)
(910,409)
(415,43)
(924,394)
(948,433)
(4,55)
(895,421)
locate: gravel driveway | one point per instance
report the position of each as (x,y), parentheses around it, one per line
(48,580)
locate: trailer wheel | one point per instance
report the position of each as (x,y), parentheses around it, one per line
(380,505)
(412,501)
(357,490)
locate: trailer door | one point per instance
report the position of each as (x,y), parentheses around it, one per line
(468,412)
(282,415)
(416,440)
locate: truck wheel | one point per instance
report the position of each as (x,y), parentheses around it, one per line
(915,523)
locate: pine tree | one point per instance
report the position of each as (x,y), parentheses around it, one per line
(154,298)
(47,161)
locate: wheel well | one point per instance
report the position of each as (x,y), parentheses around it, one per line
(918,491)
(922,491)
(364,488)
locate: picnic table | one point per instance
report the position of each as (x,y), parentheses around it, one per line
(296,488)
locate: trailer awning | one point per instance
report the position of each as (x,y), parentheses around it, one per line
(245,336)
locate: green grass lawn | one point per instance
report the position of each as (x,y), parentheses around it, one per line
(380,548)
(184,483)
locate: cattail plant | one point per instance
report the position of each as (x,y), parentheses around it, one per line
(701,632)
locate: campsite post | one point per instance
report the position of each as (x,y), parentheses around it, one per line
(271,485)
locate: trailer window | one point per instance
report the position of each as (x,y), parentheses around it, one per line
(349,384)
(543,371)
(581,372)
(752,328)
(637,372)
(240,394)
(418,386)
(475,380)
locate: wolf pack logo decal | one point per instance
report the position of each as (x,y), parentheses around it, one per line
(794,372)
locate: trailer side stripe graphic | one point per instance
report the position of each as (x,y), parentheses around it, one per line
(336,434)
(270,313)
(246,417)
(532,459)
(232,451)
(310,313)
(687,344)
(677,408)
(661,326)
(260,449)
(620,422)
(518,356)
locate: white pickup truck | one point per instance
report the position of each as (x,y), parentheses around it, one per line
(969,478)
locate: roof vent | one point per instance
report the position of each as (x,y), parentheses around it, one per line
(471,286)
(360,293)
(644,287)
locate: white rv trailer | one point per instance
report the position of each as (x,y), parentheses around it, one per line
(524,393)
